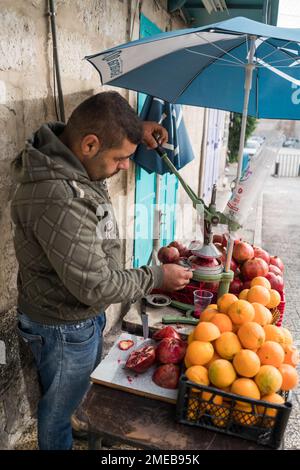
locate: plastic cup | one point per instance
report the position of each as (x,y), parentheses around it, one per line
(202,298)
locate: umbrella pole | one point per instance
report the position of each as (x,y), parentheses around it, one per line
(248,84)
(156,224)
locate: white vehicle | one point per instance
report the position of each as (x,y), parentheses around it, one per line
(251,147)
(257,138)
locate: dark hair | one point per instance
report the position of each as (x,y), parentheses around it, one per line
(107,115)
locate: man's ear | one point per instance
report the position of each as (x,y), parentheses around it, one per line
(90,145)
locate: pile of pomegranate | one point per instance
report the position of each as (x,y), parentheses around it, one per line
(168,354)
(250,261)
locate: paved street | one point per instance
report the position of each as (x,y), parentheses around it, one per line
(281,236)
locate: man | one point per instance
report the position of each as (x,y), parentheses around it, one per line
(67,246)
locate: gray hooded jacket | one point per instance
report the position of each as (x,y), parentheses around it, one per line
(66,237)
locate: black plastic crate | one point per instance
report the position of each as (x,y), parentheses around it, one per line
(236,416)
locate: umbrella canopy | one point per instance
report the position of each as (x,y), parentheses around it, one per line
(207,67)
(178,147)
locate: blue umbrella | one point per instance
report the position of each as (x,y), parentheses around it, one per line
(237,65)
(178,147)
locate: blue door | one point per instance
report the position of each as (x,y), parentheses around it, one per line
(145,185)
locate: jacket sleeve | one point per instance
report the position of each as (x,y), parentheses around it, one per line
(67,233)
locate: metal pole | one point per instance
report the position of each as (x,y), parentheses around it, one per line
(203,152)
(248,84)
(156,222)
(56,61)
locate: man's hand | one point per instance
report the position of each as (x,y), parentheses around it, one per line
(175,277)
(151,128)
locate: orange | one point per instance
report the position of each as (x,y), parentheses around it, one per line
(216,399)
(221,373)
(193,411)
(288,339)
(228,345)
(291,355)
(241,311)
(220,415)
(274,333)
(275,299)
(222,321)
(207,314)
(262,315)
(190,337)
(225,301)
(289,377)
(246,363)
(206,331)
(271,398)
(199,353)
(271,353)
(212,400)
(243,294)
(260,281)
(268,379)
(244,414)
(215,356)
(251,335)
(259,294)
(214,306)
(197,374)
(246,388)
(187,363)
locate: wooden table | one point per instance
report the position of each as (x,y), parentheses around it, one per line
(143,423)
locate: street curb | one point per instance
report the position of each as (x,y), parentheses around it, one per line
(257,238)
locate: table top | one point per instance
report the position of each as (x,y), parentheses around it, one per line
(133,324)
(145,423)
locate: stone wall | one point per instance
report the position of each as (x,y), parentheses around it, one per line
(26,101)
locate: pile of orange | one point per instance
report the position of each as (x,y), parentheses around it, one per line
(236,348)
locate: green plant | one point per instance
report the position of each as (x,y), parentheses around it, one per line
(234,134)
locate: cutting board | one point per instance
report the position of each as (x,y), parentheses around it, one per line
(112,372)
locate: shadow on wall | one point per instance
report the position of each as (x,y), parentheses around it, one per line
(19,389)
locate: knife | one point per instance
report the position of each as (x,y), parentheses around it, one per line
(144,317)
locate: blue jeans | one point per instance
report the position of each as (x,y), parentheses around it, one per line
(65,356)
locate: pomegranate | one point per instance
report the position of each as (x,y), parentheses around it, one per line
(275,281)
(170,351)
(167,376)
(219,246)
(125,344)
(242,251)
(246,285)
(166,332)
(196,261)
(254,267)
(274,269)
(168,254)
(276,261)
(260,253)
(235,286)
(210,286)
(217,238)
(180,247)
(233,264)
(141,359)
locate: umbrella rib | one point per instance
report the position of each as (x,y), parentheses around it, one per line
(275,49)
(220,48)
(196,75)
(216,58)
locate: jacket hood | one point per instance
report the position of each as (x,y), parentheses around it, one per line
(45,157)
